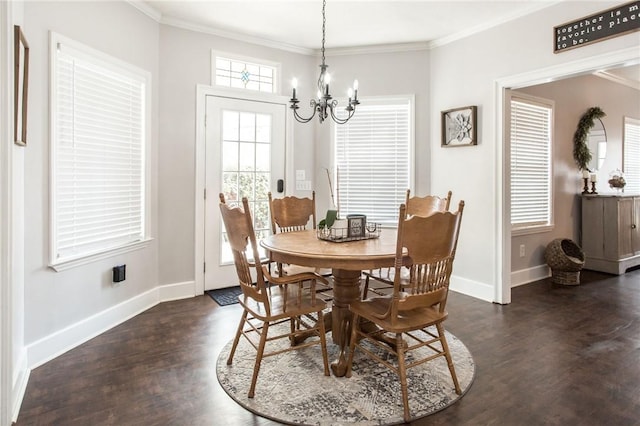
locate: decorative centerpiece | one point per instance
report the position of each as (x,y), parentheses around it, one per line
(616,180)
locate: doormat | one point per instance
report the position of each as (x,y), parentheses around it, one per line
(225,296)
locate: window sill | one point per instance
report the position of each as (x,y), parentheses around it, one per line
(531,230)
(84,260)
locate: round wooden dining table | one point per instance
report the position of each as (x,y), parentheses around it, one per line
(346,260)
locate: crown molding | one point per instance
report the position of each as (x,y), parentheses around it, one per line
(154,14)
(488,25)
(378,48)
(145,8)
(235,36)
(634,84)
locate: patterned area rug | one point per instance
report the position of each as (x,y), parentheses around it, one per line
(292,388)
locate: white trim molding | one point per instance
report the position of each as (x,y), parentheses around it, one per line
(471,288)
(529,275)
(49,347)
(7,312)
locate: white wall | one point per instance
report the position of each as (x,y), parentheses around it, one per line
(56,302)
(573,97)
(186,62)
(465,72)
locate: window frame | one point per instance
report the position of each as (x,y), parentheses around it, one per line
(117,65)
(276,66)
(379,100)
(532,228)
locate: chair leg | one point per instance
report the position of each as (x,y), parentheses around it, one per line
(447,355)
(292,329)
(365,291)
(323,343)
(256,367)
(352,344)
(237,338)
(402,372)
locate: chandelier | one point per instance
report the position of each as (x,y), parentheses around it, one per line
(325,104)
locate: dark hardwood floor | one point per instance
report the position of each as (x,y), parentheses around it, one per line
(555,356)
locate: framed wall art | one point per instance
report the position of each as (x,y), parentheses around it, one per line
(21,86)
(459,127)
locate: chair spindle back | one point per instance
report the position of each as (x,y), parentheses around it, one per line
(430,242)
(239,226)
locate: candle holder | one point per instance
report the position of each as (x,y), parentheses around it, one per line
(593,187)
(585,190)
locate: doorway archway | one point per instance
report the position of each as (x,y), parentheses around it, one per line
(623,57)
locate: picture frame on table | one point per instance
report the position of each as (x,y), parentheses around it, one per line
(357,225)
(21,86)
(459,126)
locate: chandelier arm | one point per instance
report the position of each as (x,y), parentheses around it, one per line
(337,119)
(301,119)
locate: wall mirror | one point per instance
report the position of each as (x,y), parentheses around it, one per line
(597,143)
(590,140)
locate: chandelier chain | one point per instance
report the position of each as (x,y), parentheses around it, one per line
(324,23)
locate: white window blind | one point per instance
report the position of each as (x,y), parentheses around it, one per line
(98,153)
(531,130)
(632,155)
(373,159)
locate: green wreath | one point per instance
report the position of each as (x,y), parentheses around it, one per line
(581,152)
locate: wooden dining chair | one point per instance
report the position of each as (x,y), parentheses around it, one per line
(412,316)
(416,206)
(271,300)
(290,214)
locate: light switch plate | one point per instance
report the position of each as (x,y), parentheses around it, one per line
(303,185)
(300,175)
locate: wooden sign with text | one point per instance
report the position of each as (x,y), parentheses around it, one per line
(600,26)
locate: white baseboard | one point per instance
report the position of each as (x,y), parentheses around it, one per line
(526,276)
(20,379)
(49,347)
(177,291)
(471,288)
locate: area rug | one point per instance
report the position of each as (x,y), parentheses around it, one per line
(292,388)
(225,296)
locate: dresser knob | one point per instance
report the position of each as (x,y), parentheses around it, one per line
(633,226)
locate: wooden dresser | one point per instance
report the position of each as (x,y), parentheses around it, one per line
(611,232)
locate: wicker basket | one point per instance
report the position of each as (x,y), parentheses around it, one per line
(566,259)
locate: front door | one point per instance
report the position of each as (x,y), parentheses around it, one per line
(245,157)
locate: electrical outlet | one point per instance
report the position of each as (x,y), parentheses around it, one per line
(119,273)
(300,175)
(521,250)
